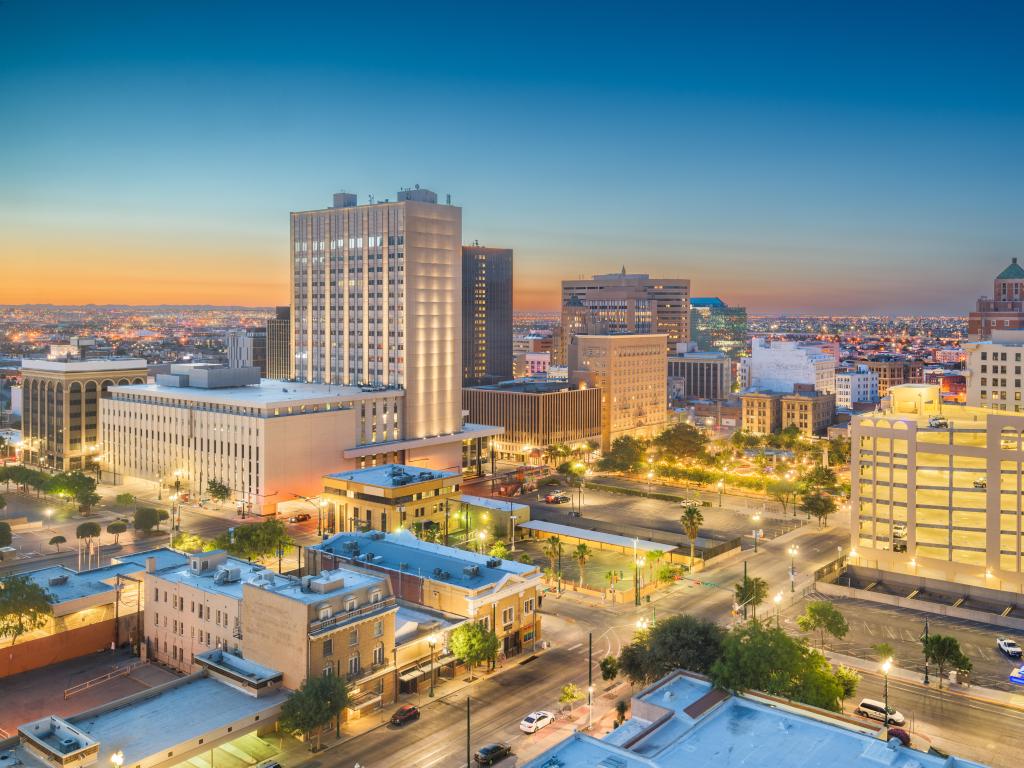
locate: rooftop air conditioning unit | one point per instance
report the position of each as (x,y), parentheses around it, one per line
(376,536)
(494,562)
(57,581)
(68,745)
(471,571)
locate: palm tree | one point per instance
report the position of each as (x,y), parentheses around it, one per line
(581,555)
(751,591)
(691,520)
(653,557)
(553,552)
(56,541)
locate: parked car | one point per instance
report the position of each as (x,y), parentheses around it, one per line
(406,713)
(981,483)
(492,753)
(300,518)
(876,711)
(938,422)
(557,498)
(1009,647)
(534,721)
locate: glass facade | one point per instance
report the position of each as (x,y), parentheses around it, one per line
(715,326)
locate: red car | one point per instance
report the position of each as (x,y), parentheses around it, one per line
(556,498)
(405,714)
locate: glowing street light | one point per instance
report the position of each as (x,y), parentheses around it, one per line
(886,666)
(778,603)
(793,549)
(432,642)
(756,517)
(117,759)
(721,488)
(481,536)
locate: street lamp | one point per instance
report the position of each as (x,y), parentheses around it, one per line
(778,604)
(650,478)
(590,707)
(756,517)
(432,642)
(636,575)
(480,538)
(512,529)
(793,549)
(117,759)
(721,489)
(886,666)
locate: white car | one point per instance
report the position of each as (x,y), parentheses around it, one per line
(534,721)
(1009,647)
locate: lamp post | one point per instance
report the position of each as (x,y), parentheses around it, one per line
(512,530)
(886,666)
(721,489)
(590,707)
(756,518)
(926,682)
(480,541)
(636,575)
(793,549)
(650,478)
(432,642)
(778,603)
(117,759)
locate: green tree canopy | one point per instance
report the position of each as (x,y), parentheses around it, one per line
(839,450)
(751,591)
(255,541)
(684,641)
(145,519)
(56,541)
(682,441)
(848,680)
(582,555)
(785,492)
(627,454)
(570,694)
(761,657)
(124,500)
(6,537)
(691,520)
(820,479)
(944,652)
(821,616)
(818,505)
(24,606)
(499,549)
(87,531)
(218,490)
(317,702)
(116,528)
(609,668)
(473,643)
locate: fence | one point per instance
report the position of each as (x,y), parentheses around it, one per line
(127,669)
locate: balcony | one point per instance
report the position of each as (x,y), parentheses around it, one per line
(323,625)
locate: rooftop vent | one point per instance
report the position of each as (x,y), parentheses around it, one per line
(68,745)
(494,562)
(57,581)
(227,575)
(376,536)
(403,566)
(471,571)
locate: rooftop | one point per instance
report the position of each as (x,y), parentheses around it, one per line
(414,621)
(89,365)
(681,720)
(498,505)
(268,393)
(526,386)
(707,301)
(1012,272)
(392,475)
(612,539)
(405,553)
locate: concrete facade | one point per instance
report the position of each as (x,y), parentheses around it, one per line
(699,375)
(762,412)
(993,372)
(779,366)
(857,385)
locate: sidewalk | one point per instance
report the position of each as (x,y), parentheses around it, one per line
(913,677)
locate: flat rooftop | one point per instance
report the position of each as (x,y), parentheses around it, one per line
(526,386)
(268,393)
(403,552)
(682,720)
(612,539)
(195,708)
(414,621)
(89,365)
(392,475)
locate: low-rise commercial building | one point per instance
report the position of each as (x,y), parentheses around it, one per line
(937,490)
(779,366)
(762,412)
(390,496)
(535,414)
(893,370)
(500,594)
(810,412)
(994,371)
(629,370)
(696,375)
(61,414)
(856,385)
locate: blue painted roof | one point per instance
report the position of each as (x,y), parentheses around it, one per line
(1012,272)
(708,301)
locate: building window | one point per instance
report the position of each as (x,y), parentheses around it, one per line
(528,606)
(508,616)
(328,670)
(353,664)
(329,646)
(353,637)
(378,629)
(378,654)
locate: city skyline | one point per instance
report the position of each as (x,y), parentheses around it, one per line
(844,164)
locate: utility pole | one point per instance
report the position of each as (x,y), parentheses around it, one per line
(469,751)
(745,588)
(590,680)
(926,657)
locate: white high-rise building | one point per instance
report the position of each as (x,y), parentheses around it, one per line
(858,385)
(776,366)
(376,301)
(994,371)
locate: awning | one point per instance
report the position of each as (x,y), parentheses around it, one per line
(364,700)
(412,674)
(612,539)
(448,658)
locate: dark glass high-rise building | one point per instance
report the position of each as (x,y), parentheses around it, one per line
(714,325)
(486,315)
(279,344)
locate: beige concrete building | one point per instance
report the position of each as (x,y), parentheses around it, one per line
(810,412)
(269,443)
(893,371)
(390,496)
(630,370)
(377,301)
(994,371)
(696,375)
(937,490)
(501,594)
(762,412)
(536,414)
(61,414)
(622,303)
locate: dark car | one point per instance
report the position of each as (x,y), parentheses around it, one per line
(492,753)
(405,714)
(556,498)
(300,518)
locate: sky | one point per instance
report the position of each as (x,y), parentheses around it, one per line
(860,157)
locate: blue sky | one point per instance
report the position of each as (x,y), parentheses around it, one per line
(826,157)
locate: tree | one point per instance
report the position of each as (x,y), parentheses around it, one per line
(255,541)
(317,702)
(3,503)
(883,651)
(24,606)
(839,451)
(848,681)
(818,505)
(5,535)
(116,528)
(570,694)
(625,455)
(218,490)
(682,441)
(473,643)
(822,616)
(190,542)
(124,500)
(499,549)
(553,552)
(820,479)
(683,641)
(691,519)
(751,591)
(87,531)
(161,515)
(609,668)
(581,555)
(145,519)
(525,558)
(652,557)
(785,492)
(56,541)
(944,652)
(758,656)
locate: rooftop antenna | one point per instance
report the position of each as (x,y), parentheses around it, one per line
(371,199)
